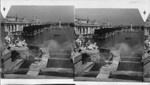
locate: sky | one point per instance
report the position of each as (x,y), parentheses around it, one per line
(44,13)
(116,16)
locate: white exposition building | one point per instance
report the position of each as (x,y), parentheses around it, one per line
(87,26)
(15,24)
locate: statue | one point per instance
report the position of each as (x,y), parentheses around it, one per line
(14,44)
(8,38)
(147,44)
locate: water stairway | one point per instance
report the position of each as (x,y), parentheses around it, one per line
(129,68)
(58,64)
(52,65)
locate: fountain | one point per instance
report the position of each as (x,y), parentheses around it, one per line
(88,58)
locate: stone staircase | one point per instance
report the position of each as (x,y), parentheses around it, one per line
(129,68)
(58,64)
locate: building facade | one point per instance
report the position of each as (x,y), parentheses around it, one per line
(86,26)
(15,24)
(147,28)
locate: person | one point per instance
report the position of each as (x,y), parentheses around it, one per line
(147,44)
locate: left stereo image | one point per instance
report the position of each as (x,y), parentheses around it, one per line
(37,42)
(39,84)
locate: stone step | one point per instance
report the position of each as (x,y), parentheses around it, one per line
(91,74)
(130,62)
(34,69)
(146,60)
(33,72)
(127,75)
(59,59)
(130,73)
(134,59)
(44,61)
(130,66)
(88,66)
(146,79)
(20,76)
(103,80)
(60,55)
(59,63)
(103,75)
(97,66)
(106,69)
(62,72)
(129,56)
(16,63)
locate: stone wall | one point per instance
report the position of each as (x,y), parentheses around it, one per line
(1,45)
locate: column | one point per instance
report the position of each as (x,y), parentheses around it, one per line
(21,27)
(81,30)
(91,30)
(86,30)
(14,28)
(17,27)
(5,28)
(10,28)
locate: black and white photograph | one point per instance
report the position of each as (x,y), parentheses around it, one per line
(110,45)
(38,42)
(74,41)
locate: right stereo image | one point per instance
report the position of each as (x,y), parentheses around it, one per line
(111,45)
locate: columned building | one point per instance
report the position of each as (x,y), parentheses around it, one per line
(86,26)
(15,24)
(147,28)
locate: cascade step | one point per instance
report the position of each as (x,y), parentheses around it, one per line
(146,60)
(130,66)
(63,72)
(88,66)
(58,63)
(59,55)
(134,59)
(91,74)
(127,75)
